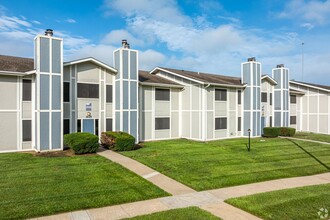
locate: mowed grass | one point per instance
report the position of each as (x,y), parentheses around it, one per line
(191,213)
(313,136)
(33,186)
(298,203)
(225,163)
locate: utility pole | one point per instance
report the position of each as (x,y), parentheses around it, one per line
(302,61)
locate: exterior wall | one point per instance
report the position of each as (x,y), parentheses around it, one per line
(312,110)
(87,72)
(267,109)
(150,109)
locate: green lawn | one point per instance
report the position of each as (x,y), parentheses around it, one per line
(227,162)
(298,203)
(191,213)
(313,136)
(33,186)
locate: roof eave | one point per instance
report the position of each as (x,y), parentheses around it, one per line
(307,85)
(170,72)
(93,61)
(226,85)
(269,79)
(161,85)
(13,73)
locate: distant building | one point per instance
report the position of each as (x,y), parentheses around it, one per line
(44,98)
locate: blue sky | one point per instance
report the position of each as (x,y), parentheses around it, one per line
(206,36)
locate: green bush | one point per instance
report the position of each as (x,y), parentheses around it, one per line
(118,141)
(287,132)
(271,132)
(82,143)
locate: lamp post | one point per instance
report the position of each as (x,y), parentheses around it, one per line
(249,146)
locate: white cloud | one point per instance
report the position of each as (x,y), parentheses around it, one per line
(114,37)
(70,20)
(308,26)
(149,59)
(36,22)
(316,12)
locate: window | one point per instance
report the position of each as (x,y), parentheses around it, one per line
(109,94)
(66,92)
(239,127)
(163,94)
(109,124)
(264,97)
(79,125)
(293,120)
(270,98)
(27,90)
(220,123)
(293,99)
(96,127)
(270,121)
(88,90)
(220,95)
(27,130)
(239,97)
(162,123)
(66,126)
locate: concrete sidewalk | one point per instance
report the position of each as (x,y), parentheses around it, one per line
(211,200)
(183,196)
(300,139)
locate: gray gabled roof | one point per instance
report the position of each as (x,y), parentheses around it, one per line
(205,78)
(311,84)
(145,78)
(16,64)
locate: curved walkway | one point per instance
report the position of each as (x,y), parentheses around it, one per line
(183,196)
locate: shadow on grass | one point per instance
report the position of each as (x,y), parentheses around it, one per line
(311,155)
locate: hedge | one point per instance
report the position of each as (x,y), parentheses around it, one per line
(118,141)
(279,131)
(82,143)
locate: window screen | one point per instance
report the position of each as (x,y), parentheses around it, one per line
(162,123)
(220,95)
(88,90)
(66,126)
(109,93)
(270,98)
(109,124)
(293,99)
(220,123)
(239,127)
(27,90)
(162,94)
(264,97)
(27,130)
(239,97)
(66,92)
(293,120)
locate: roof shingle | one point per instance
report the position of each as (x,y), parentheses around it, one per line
(146,77)
(16,64)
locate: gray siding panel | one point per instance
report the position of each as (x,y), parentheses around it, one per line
(73,94)
(277,119)
(117,61)
(125,95)
(44,92)
(44,55)
(133,70)
(125,64)
(125,121)
(246,123)
(133,124)
(56,130)
(117,121)
(56,56)
(133,96)
(246,74)
(44,130)
(56,92)
(118,97)
(247,98)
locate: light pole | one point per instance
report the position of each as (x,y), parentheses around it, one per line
(249,146)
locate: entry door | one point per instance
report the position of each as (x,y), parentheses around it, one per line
(88,125)
(263,121)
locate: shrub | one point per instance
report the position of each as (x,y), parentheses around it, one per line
(287,132)
(118,141)
(271,132)
(82,143)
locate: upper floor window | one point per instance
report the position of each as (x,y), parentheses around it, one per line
(264,97)
(220,95)
(293,99)
(162,94)
(109,94)
(239,97)
(66,92)
(220,123)
(86,90)
(270,98)
(27,90)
